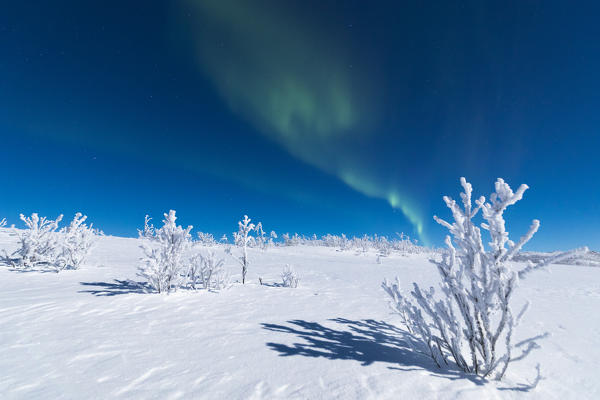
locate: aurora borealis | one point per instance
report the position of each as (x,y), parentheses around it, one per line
(296,86)
(311,116)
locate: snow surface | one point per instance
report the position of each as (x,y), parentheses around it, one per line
(91,333)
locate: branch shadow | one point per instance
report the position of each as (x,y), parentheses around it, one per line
(12,265)
(40,270)
(114,288)
(274,284)
(365,341)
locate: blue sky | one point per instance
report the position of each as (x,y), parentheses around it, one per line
(311,116)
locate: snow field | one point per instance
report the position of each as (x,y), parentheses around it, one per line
(91,333)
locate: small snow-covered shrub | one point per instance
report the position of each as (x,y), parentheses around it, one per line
(262,240)
(148,231)
(384,246)
(362,244)
(213,274)
(472,322)
(75,243)
(206,239)
(242,239)
(289,277)
(39,243)
(261,236)
(194,275)
(208,271)
(294,240)
(405,245)
(164,264)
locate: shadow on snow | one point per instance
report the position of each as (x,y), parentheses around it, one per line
(366,341)
(114,288)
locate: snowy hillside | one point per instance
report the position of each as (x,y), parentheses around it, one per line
(92,333)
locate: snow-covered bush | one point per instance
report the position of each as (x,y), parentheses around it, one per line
(39,243)
(208,271)
(75,243)
(289,277)
(294,240)
(242,239)
(261,236)
(383,247)
(472,322)
(362,244)
(164,264)
(148,231)
(405,245)
(262,240)
(206,239)
(342,242)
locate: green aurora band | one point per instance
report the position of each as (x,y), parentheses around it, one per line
(296,87)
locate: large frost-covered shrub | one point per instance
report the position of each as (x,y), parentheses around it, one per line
(75,243)
(471,321)
(165,265)
(39,243)
(242,239)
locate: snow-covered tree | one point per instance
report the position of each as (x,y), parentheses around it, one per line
(165,264)
(289,277)
(39,243)
(75,243)
(471,321)
(242,239)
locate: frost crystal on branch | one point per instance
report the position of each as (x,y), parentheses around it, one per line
(471,322)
